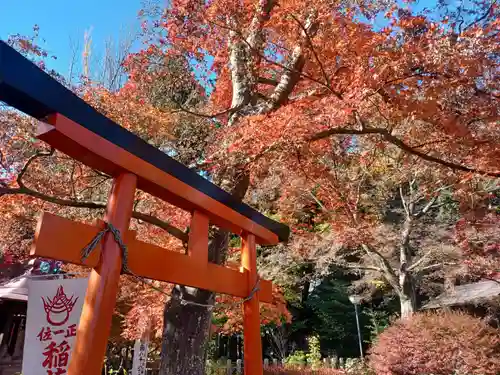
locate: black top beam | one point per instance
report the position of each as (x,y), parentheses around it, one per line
(29,89)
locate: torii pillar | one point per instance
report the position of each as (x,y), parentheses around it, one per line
(102,290)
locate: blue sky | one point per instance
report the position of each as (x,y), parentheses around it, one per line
(65,21)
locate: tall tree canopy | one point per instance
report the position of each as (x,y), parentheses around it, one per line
(327,113)
(323,110)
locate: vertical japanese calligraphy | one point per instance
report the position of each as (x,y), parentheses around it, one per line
(140,357)
(54,308)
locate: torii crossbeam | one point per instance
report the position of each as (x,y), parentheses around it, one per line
(75,128)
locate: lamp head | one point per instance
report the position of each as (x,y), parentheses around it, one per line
(355,299)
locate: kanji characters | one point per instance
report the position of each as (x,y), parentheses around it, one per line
(71,331)
(56,355)
(45,334)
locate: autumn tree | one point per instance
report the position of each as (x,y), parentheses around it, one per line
(411,346)
(300,85)
(36,177)
(478,236)
(303,89)
(33,173)
(398,227)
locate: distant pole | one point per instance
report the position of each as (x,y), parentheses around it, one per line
(355,301)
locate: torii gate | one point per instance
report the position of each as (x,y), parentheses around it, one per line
(75,128)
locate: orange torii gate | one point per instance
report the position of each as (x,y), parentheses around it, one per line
(73,127)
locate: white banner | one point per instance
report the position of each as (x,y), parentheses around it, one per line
(54,308)
(140,357)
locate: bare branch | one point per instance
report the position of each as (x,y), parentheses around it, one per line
(23,190)
(97,184)
(401,145)
(435,266)
(295,64)
(354,266)
(386,267)
(482,18)
(240,74)
(5,190)
(358,195)
(348,131)
(431,203)
(2,164)
(412,74)
(426,208)
(411,201)
(420,145)
(289,78)
(125,47)
(25,167)
(313,50)
(420,261)
(404,248)
(403,200)
(72,179)
(262,14)
(282,66)
(99,173)
(302,74)
(318,201)
(176,232)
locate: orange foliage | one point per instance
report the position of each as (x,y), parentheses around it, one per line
(413,346)
(367,104)
(412,86)
(337,112)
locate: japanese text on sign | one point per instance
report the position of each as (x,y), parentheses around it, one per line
(54,308)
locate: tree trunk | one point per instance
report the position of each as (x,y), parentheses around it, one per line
(406,291)
(407,296)
(186,326)
(407,306)
(185,332)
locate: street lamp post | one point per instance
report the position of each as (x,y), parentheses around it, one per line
(356,300)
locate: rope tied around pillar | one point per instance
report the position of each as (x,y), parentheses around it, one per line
(108,227)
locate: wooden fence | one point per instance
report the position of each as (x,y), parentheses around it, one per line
(228,367)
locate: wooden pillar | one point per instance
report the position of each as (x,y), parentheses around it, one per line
(252,343)
(95,322)
(198,238)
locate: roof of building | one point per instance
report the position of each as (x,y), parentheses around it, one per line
(15,289)
(467,293)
